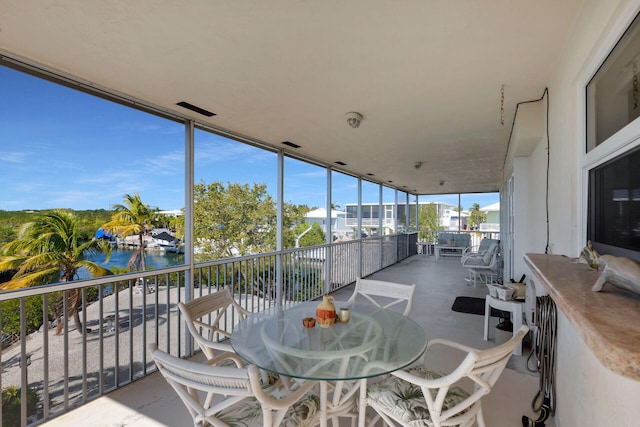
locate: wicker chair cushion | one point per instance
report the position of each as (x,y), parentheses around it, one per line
(406,401)
(248,412)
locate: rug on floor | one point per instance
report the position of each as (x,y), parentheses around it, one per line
(472,305)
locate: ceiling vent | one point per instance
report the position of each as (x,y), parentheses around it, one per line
(290,144)
(198,110)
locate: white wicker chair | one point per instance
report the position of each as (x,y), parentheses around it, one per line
(207,317)
(234,396)
(419,396)
(380,292)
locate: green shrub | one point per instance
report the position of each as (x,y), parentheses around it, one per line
(10,315)
(11,405)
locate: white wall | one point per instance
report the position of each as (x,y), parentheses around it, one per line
(521,210)
(588,394)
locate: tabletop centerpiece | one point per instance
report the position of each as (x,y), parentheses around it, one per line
(326,312)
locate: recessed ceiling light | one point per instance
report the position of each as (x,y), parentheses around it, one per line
(198,110)
(290,144)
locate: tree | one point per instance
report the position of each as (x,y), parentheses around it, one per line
(428,220)
(176,223)
(310,235)
(233,220)
(293,223)
(476,216)
(48,250)
(132,218)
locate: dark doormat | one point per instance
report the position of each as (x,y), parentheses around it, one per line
(473,305)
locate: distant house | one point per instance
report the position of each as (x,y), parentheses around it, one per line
(493,218)
(338,226)
(174,212)
(448,217)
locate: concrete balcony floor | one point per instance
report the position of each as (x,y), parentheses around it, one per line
(151,402)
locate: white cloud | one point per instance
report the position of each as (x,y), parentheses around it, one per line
(14,157)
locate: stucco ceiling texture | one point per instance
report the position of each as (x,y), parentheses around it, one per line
(425,74)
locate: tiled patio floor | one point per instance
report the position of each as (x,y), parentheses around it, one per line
(151,402)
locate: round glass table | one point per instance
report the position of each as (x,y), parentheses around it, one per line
(375,341)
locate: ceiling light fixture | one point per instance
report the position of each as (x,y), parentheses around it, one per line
(354,119)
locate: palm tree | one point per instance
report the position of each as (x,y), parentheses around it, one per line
(48,250)
(130,218)
(476,216)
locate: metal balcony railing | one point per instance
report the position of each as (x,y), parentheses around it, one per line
(52,373)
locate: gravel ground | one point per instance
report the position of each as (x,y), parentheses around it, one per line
(124,347)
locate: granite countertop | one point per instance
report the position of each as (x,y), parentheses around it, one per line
(608,321)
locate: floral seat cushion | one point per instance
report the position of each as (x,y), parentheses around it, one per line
(406,401)
(248,412)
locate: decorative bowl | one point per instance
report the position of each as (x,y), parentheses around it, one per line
(309,322)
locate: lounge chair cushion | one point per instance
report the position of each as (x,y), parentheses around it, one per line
(454,239)
(406,401)
(486,259)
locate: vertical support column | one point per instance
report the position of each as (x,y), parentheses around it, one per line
(407,227)
(359,227)
(395,221)
(279,226)
(23,359)
(459,214)
(189,136)
(329,236)
(417,214)
(380,222)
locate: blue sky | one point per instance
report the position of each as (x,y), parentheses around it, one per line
(61,148)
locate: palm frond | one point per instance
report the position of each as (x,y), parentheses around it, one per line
(36,278)
(11,262)
(93,246)
(42,261)
(94,269)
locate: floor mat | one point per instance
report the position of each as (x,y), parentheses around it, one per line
(472,305)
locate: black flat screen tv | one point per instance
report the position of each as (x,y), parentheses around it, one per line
(613,222)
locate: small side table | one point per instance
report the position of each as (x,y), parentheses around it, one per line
(516,308)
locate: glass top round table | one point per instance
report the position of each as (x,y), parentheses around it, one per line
(375,341)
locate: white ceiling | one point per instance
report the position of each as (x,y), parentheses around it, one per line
(425,74)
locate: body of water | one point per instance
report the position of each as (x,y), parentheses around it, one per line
(120,257)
